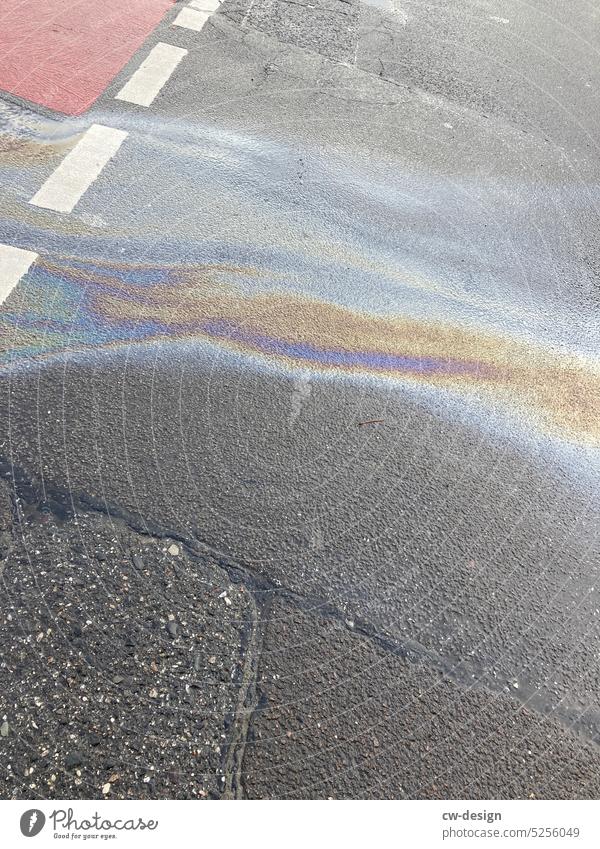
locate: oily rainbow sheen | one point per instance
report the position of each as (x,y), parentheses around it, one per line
(104,304)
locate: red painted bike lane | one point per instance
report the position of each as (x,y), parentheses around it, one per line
(62,54)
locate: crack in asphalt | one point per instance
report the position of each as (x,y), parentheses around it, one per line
(248,702)
(261,591)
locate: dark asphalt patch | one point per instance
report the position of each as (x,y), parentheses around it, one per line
(122,664)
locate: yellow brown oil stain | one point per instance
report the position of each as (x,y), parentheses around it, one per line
(558,392)
(21,151)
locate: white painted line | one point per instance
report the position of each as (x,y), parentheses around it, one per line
(152,74)
(79,168)
(205,5)
(14,263)
(191,19)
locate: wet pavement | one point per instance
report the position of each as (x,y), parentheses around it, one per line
(327,323)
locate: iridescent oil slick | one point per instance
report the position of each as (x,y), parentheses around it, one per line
(302,285)
(79,306)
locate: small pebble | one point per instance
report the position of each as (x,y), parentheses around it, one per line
(173,549)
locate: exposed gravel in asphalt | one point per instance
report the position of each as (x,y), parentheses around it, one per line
(328,27)
(121,662)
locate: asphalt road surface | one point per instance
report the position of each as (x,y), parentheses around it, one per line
(300,411)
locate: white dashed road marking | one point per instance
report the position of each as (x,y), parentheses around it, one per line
(79,168)
(14,263)
(191,19)
(152,74)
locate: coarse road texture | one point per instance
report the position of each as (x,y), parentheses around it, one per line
(300,406)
